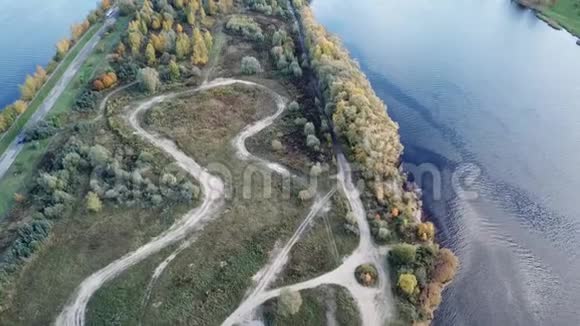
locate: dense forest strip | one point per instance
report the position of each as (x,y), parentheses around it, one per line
(419,269)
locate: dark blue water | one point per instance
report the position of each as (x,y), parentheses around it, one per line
(488,97)
(29,29)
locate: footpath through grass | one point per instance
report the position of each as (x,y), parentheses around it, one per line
(15,129)
(20,174)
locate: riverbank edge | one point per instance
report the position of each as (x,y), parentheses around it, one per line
(544,16)
(301,11)
(8,137)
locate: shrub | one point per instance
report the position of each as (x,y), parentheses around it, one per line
(431,296)
(289,302)
(93,202)
(86,101)
(246,27)
(126,7)
(250,66)
(126,70)
(407,283)
(305,195)
(300,121)
(98,155)
(350,218)
(149,79)
(41,130)
(367,274)
(293,106)
(445,266)
(277,145)
(315,170)
(426,231)
(295,69)
(384,234)
(402,254)
(312,142)
(309,129)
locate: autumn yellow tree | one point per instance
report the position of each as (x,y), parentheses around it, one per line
(150,55)
(407,283)
(28,89)
(121,50)
(105,4)
(200,53)
(158,42)
(190,11)
(62,48)
(208,39)
(39,76)
(182,46)
(135,37)
(20,106)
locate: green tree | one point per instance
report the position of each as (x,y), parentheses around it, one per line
(149,79)
(182,46)
(174,70)
(208,39)
(402,254)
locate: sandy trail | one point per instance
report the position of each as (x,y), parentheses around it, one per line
(73,314)
(374,304)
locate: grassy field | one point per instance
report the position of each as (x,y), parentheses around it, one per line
(322,248)
(209,279)
(18,177)
(15,129)
(77,248)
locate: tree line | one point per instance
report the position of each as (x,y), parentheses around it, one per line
(419,268)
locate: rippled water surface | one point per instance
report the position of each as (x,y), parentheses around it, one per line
(489,96)
(28,31)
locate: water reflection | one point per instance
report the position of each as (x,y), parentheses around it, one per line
(484,83)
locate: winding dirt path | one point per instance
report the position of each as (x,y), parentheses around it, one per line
(373,303)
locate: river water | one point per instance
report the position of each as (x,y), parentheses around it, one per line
(488,101)
(29,30)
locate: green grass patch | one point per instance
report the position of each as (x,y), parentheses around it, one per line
(566,13)
(19,176)
(78,247)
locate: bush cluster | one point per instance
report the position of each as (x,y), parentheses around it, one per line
(283,54)
(269,7)
(250,66)
(420,273)
(245,26)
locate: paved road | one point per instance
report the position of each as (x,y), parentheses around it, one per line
(15,147)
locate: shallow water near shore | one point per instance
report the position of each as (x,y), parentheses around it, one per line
(486,96)
(29,31)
